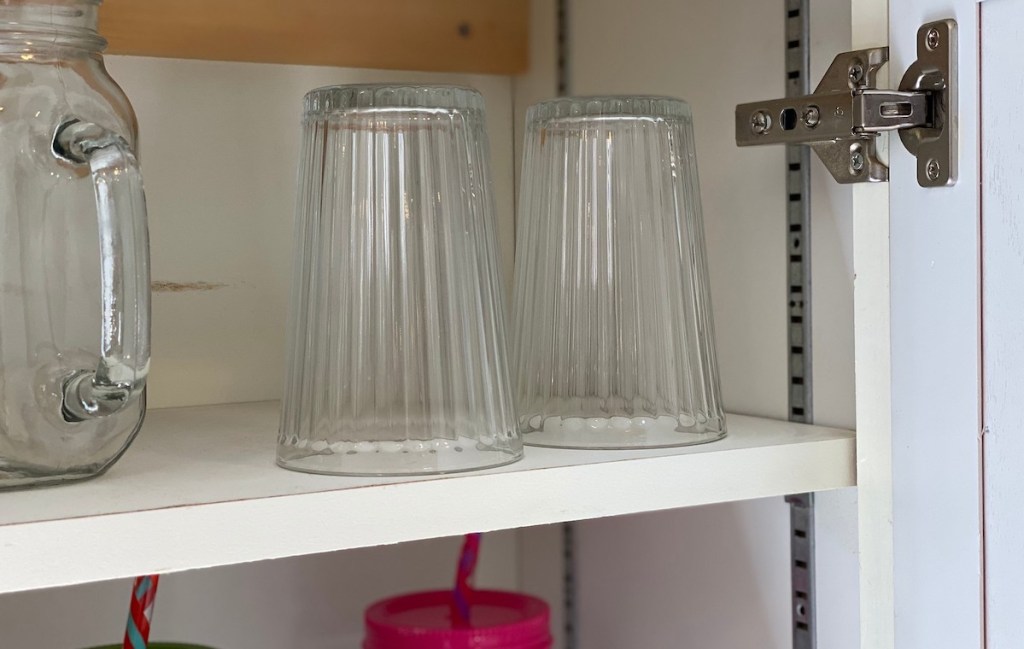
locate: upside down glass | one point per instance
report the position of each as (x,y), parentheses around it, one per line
(396,354)
(613,342)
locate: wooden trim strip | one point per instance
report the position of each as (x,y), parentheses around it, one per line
(486,36)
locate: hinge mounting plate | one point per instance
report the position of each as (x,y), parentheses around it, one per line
(842,119)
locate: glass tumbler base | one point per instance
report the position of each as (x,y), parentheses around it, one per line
(617,432)
(430,457)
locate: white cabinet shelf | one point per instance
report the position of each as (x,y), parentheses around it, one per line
(199,488)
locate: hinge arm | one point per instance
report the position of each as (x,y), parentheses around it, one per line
(843,117)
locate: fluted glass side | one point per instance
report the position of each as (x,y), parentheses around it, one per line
(613,343)
(396,347)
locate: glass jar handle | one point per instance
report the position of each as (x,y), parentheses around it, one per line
(120,376)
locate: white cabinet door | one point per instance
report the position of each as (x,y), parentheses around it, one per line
(934,527)
(1002,226)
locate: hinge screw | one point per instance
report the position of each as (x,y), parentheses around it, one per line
(857,162)
(811,116)
(932,38)
(856,73)
(760,122)
(932,169)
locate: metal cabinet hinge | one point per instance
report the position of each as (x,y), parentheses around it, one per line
(842,119)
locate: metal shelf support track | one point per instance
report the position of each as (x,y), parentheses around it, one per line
(798,303)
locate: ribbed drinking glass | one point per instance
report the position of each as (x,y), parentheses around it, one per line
(613,340)
(396,356)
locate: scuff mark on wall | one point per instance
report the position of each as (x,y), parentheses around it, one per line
(185,287)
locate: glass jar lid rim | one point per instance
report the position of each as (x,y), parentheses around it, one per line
(26,25)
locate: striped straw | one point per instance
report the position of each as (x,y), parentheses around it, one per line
(140,613)
(463,575)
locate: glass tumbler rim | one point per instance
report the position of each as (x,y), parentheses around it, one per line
(328,100)
(609,106)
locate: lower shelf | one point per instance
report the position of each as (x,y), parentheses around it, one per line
(199,488)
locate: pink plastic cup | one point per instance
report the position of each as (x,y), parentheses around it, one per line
(497,620)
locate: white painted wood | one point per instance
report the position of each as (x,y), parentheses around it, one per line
(936,360)
(837,560)
(219,148)
(1002,147)
(870,28)
(872,318)
(313,602)
(874,415)
(199,489)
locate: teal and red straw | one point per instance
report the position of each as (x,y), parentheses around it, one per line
(140,612)
(463,575)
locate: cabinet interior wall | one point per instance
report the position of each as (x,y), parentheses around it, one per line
(219,147)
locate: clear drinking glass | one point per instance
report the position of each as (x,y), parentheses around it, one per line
(74,251)
(396,356)
(613,341)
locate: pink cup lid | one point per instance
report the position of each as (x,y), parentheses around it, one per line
(497,620)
